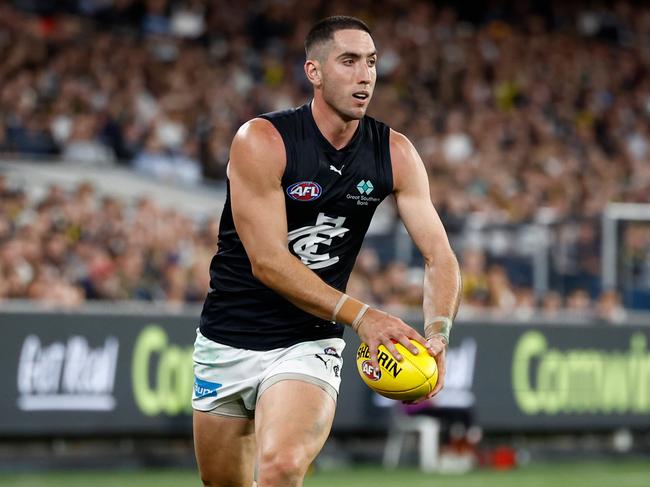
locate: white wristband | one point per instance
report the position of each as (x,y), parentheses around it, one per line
(357,321)
(439,326)
(344,297)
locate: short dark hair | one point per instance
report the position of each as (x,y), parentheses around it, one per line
(324,29)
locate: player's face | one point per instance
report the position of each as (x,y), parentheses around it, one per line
(349,73)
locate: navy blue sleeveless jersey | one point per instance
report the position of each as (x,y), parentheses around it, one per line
(330,196)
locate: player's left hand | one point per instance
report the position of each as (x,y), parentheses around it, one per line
(438,348)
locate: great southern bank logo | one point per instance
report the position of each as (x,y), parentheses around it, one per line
(304,191)
(365,187)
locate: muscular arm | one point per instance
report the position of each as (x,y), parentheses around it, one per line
(257,162)
(441,272)
(411,187)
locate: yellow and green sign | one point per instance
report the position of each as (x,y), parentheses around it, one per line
(161,374)
(585,380)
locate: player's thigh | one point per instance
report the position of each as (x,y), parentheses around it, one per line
(225,449)
(292,421)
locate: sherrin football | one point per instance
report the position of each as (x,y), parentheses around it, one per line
(414,377)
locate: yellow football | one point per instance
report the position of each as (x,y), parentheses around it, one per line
(414,377)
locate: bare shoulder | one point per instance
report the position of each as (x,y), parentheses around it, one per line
(259,131)
(257,144)
(405,160)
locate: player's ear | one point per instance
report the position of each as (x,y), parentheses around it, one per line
(313,72)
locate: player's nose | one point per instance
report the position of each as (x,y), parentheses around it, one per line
(364,74)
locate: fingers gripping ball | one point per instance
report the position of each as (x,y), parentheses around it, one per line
(412,378)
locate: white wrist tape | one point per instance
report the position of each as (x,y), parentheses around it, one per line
(349,311)
(439,326)
(339,305)
(357,321)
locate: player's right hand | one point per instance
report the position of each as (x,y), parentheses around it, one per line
(380,328)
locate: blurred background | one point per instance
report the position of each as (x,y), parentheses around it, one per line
(533,119)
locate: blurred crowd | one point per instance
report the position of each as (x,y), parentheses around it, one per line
(68,247)
(523,112)
(546,115)
(73,246)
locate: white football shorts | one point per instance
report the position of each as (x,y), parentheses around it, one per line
(229,381)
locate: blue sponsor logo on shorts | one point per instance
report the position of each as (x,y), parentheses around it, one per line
(203,388)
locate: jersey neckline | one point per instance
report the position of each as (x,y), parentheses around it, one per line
(326,143)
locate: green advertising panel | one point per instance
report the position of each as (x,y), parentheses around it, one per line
(585,380)
(125,374)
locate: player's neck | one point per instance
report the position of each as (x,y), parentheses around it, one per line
(337,131)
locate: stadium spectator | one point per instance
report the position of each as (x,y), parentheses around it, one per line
(83,144)
(610,308)
(578,302)
(475,285)
(501,296)
(551,304)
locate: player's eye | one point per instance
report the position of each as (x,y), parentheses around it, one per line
(372,62)
(348,62)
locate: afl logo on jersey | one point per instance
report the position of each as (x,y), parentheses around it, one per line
(304,191)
